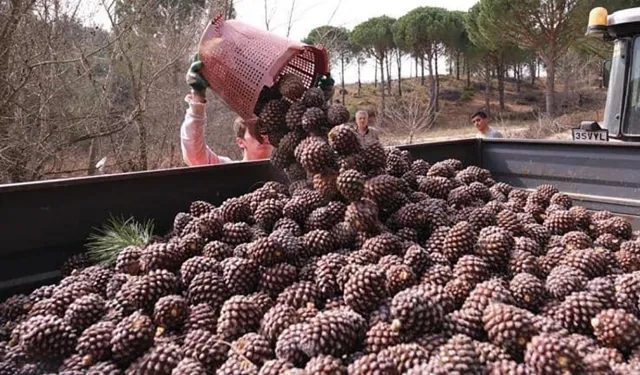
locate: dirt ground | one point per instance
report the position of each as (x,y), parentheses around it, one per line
(514,130)
(521,117)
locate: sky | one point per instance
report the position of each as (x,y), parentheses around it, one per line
(309,14)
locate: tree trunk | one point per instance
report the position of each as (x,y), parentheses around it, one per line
(14,15)
(437,96)
(359,81)
(518,76)
(344,92)
(467,68)
(416,66)
(142,154)
(458,65)
(93,154)
(551,86)
(382,80)
(399,57)
(389,71)
(375,69)
(501,75)
(487,91)
(566,83)
(450,66)
(422,82)
(430,66)
(601,85)
(532,70)
(432,100)
(15,170)
(433,89)
(173,154)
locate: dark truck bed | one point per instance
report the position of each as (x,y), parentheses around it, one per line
(43,223)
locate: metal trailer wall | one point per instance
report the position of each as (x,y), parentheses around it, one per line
(42,223)
(603,176)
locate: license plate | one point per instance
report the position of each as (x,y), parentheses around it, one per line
(590,135)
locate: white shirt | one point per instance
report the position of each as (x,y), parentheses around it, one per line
(192,139)
(493,133)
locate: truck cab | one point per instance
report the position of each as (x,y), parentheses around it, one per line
(621,74)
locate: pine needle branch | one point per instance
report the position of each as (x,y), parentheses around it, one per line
(104,246)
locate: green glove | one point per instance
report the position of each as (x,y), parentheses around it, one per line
(197,82)
(326,83)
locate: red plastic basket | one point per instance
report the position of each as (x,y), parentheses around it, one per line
(240,60)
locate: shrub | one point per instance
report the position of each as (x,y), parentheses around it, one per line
(450,95)
(467,96)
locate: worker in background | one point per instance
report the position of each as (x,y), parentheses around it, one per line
(480,120)
(366,133)
(192,134)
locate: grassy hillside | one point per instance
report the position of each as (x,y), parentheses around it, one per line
(521,116)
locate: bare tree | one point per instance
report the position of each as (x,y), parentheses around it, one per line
(46,64)
(268,14)
(360,61)
(290,21)
(224,7)
(71,94)
(336,40)
(578,74)
(410,115)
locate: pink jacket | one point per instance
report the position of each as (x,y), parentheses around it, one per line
(194,149)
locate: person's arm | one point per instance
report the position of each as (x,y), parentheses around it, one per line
(192,135)
(192,139)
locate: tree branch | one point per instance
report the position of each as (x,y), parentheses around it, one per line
(289,23)
(333,14)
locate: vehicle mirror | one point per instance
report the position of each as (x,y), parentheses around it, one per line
(606,72)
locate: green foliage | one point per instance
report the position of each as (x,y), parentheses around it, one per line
(375,36)
(423,29)
(483,31)
(335,39)
(458,37)
(399,30)
(468,93)
(615,5)
(546,26)
(331,37)
(105,245)
(452,95)
(486,35)
(481,48)
(353,109)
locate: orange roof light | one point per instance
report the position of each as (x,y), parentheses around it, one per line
(598,22)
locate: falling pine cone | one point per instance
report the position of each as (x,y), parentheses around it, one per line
(338,114)
(291,87)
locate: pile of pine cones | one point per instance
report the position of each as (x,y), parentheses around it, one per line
(367,262)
